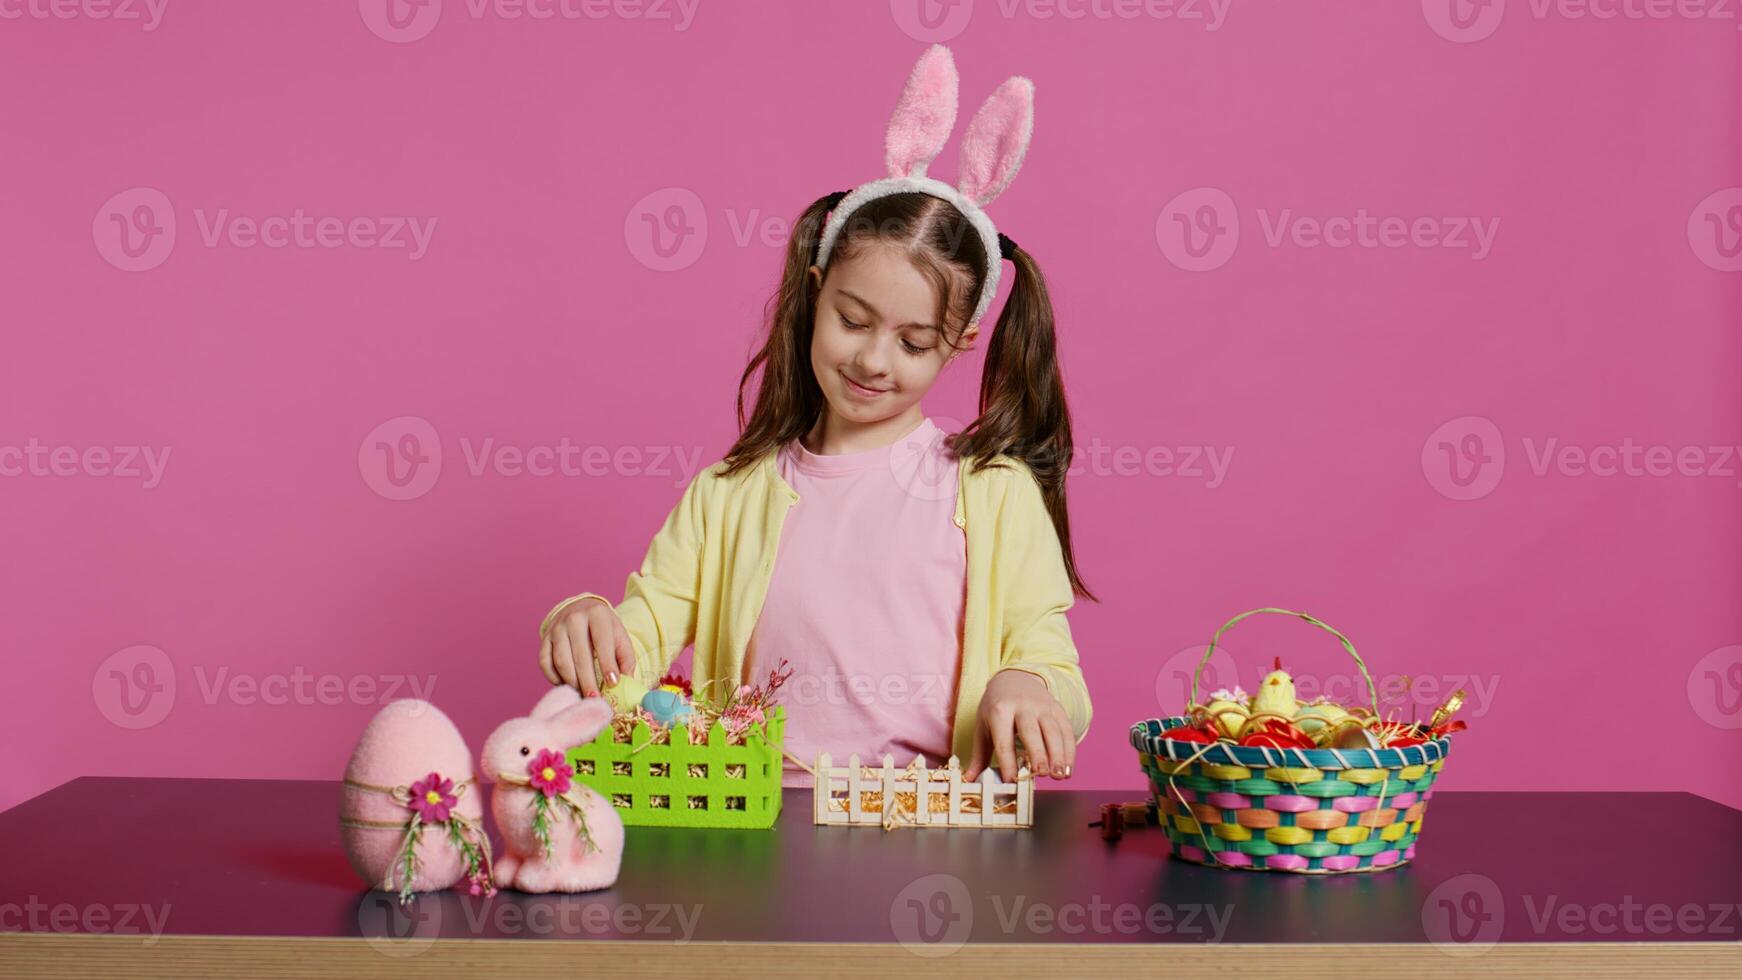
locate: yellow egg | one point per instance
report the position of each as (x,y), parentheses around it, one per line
(1229,716)
(626,693)
(1312,717)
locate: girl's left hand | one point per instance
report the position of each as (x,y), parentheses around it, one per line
(1017,705)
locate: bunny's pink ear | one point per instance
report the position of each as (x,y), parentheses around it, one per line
(555,700)
(925,115)
(579,724)
(996,140)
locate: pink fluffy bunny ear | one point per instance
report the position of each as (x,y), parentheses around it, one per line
(996,140)
(556,700)
(580,723)
(925,115)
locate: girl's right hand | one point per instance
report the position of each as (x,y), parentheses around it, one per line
(586,645)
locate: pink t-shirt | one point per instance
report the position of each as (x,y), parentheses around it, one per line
(866,602)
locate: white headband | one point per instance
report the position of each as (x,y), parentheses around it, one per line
(991,153)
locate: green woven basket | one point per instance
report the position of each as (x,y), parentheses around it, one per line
(1305,811)
(682,784)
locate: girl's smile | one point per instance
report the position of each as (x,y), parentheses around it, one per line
(863,391)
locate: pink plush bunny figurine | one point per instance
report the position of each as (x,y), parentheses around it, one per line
(525,758)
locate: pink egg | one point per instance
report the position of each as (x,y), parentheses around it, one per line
(405,741)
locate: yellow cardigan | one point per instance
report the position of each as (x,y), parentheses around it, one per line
(707,570)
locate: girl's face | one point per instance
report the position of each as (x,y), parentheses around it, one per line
(877,347)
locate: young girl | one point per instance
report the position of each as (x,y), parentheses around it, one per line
(917,581)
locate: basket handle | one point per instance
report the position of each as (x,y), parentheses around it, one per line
(1197,675)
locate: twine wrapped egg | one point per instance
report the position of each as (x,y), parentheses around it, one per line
(403,744)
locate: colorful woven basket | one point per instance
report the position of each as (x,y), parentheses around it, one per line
(1307,811)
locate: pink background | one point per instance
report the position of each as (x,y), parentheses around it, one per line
(1598,613)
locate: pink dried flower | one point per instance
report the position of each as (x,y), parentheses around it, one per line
(432,797)
(550,773)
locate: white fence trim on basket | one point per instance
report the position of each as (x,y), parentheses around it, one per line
(988,790)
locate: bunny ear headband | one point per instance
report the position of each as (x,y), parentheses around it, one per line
(991,153)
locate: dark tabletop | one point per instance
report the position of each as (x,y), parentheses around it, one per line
(262,858)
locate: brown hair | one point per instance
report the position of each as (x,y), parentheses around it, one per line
(1022,397)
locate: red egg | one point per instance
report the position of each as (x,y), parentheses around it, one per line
(1189,734)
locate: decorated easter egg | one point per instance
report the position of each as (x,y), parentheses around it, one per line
(1189,733)
(667,707)
(410,759)
(1356,738)
(1312,717)
(1228,715)
(626,693)
(1276,734)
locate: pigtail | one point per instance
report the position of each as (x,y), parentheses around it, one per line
(1022,400)
(788,400)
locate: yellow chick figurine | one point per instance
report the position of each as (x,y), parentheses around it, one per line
(1276,694)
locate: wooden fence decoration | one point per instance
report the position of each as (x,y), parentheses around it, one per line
(855,795)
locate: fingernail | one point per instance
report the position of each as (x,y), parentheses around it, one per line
(1060,772)
(1067,770)
(610,677)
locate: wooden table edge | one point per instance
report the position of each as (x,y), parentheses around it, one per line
(82,954)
